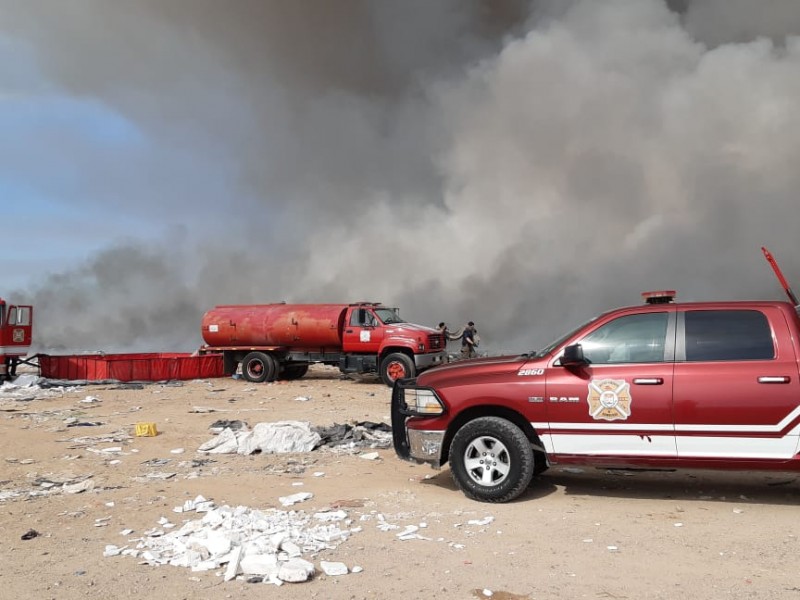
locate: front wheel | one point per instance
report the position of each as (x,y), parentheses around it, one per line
(396,366)
(491,460)
(258,367)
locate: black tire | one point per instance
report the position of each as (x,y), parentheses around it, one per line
(258,367)
(294,372)
(491,460)
(396,366)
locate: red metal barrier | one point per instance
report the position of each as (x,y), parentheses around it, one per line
(131,367)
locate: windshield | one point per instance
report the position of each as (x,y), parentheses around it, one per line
(553,345)
(389,315)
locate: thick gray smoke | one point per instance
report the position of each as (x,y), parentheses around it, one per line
(520,165)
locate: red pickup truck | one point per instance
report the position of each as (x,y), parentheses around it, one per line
(659,385)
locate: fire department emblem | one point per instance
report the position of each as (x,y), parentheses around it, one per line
(18,336)
(609,399)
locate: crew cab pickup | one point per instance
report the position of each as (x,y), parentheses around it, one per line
(659,385)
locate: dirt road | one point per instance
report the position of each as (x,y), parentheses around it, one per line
(74,478)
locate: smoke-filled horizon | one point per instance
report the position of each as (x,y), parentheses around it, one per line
(522,165)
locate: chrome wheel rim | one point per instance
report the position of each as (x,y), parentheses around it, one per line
(487,461)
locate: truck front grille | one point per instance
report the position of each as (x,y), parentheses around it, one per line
(436,341)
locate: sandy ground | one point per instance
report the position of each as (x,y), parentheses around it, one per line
(576,533)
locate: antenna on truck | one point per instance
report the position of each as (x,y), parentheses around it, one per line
(771,260)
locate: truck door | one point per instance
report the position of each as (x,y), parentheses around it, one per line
(16,330)
(737,394)
(363,331)
(620,404)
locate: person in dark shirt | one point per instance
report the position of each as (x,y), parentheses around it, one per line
(469,340)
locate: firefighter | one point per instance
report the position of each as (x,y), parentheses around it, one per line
(469,341)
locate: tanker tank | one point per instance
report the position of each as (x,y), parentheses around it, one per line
(295,325)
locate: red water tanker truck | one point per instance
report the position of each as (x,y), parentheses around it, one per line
(271,341)
(16,327)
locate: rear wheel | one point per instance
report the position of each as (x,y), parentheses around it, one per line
(396,366)
(491,460)
(258,367)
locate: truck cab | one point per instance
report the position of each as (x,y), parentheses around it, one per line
(16,328)
(376,338)
(664,384)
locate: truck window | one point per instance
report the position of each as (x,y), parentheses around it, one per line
(12,315)
(362,318)
(728,335)
(23,315)
(629,339)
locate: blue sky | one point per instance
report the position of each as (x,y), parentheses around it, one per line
(48,142)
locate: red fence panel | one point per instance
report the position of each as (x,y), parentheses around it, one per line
(131,367)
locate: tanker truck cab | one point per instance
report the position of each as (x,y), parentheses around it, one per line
(377,339)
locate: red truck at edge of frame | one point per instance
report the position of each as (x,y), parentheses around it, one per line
(659,385)
(16,330)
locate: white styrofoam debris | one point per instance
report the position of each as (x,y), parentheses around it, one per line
(296,570)
(233,563)
(269,543)
(333,568)
(370,456)
(177,451)
(484,521)
(295,498)
(356,569)
(330,515)
(302,399)
(259,564)
(90,400)
(112,550)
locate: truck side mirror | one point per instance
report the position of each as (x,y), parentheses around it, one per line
(573,355)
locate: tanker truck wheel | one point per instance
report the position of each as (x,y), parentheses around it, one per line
(396,366)
(258,367)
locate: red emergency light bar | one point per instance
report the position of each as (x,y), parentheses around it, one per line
(659,297)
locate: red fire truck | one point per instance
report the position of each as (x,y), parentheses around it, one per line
(16,327)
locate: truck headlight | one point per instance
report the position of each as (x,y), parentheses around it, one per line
(423,402)
(420,347)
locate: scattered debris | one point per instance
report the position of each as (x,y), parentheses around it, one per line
(269,438)
(295,498)
(30,534)
(260,546)
(364,434)
(86,485)
(333,568)
(234,425)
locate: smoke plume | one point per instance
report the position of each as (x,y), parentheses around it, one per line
(522,165)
